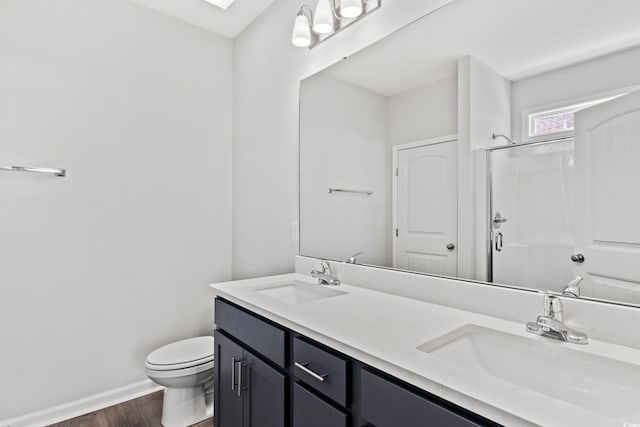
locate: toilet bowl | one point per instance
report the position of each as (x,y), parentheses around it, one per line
(185,369)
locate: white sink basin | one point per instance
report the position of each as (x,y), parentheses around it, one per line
(299,292)
(601,384)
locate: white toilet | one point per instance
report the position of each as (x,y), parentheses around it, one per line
(185,369)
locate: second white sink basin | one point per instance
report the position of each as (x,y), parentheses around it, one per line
(299,292)
(597,383)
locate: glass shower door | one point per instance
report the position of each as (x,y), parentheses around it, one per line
(531,212)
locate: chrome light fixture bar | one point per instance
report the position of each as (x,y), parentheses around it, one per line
(328,19)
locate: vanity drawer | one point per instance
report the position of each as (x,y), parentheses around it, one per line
(386,404)
(263,337)
(321,370)
(311,411)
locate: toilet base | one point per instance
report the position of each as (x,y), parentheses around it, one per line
(185,406)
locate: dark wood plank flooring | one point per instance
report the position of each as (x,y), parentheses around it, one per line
(145,411)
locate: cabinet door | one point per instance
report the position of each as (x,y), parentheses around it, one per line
(264,394)
(311,411)
(228,404)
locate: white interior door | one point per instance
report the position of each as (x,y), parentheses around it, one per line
(426,209)
(607,169)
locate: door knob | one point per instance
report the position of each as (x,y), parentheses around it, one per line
(579,258)
(451,246)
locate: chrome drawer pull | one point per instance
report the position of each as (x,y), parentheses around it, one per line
(303,367)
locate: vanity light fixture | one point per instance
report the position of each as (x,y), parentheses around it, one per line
(323,22)
(351,8)
(302,28)
(329,18)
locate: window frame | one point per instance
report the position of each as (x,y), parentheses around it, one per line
(568,106)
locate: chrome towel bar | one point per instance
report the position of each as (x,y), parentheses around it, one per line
(54,171)
(340,190)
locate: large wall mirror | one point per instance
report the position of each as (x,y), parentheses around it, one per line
(492,140)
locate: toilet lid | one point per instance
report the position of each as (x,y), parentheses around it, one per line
(190,350)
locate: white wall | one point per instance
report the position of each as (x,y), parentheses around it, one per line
(426,112)
(608,73)
(267,71)
(343,145)
(346,133)
(483,108)
(100,267)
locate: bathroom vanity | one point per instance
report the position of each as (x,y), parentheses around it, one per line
(486,185)
(269,375)
(389,352)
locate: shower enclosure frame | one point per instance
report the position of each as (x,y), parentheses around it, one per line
(489,183)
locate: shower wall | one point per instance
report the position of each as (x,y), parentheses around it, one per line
(532,187)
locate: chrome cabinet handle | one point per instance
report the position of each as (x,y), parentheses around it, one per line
(303,368)
(451,246)
(233,373)
(234,369)
(578,258)
(240,389)
(499,242)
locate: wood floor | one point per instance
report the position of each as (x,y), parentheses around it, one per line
(145,411)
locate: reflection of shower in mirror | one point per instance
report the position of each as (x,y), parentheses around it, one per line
(499,135)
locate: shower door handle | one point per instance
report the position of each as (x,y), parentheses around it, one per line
(498,220)
(499,242)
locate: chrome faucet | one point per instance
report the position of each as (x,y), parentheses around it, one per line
(352,259)
(551,323)
(325,277)
(573,288)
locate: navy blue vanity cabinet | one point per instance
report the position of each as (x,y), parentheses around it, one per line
(311,411)
(251,384)
(385,403)
(261,336)
(269,376)
(265,393)
(321,369)
(248,392)
(229,406)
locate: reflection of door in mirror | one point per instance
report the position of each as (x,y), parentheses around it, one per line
(531,214)
(607,177)
(425,206)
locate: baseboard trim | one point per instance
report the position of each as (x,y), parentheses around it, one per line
(83,406)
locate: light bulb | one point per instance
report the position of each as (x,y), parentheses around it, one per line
(323,18)
(350,8)
(301,36)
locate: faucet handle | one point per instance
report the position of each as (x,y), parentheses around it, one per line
(352,258)
(573,288)
(552,306)
(326,268)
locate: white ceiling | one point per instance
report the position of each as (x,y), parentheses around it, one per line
(228,23)
(517,38)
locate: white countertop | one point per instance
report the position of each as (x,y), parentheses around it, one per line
(383,331)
